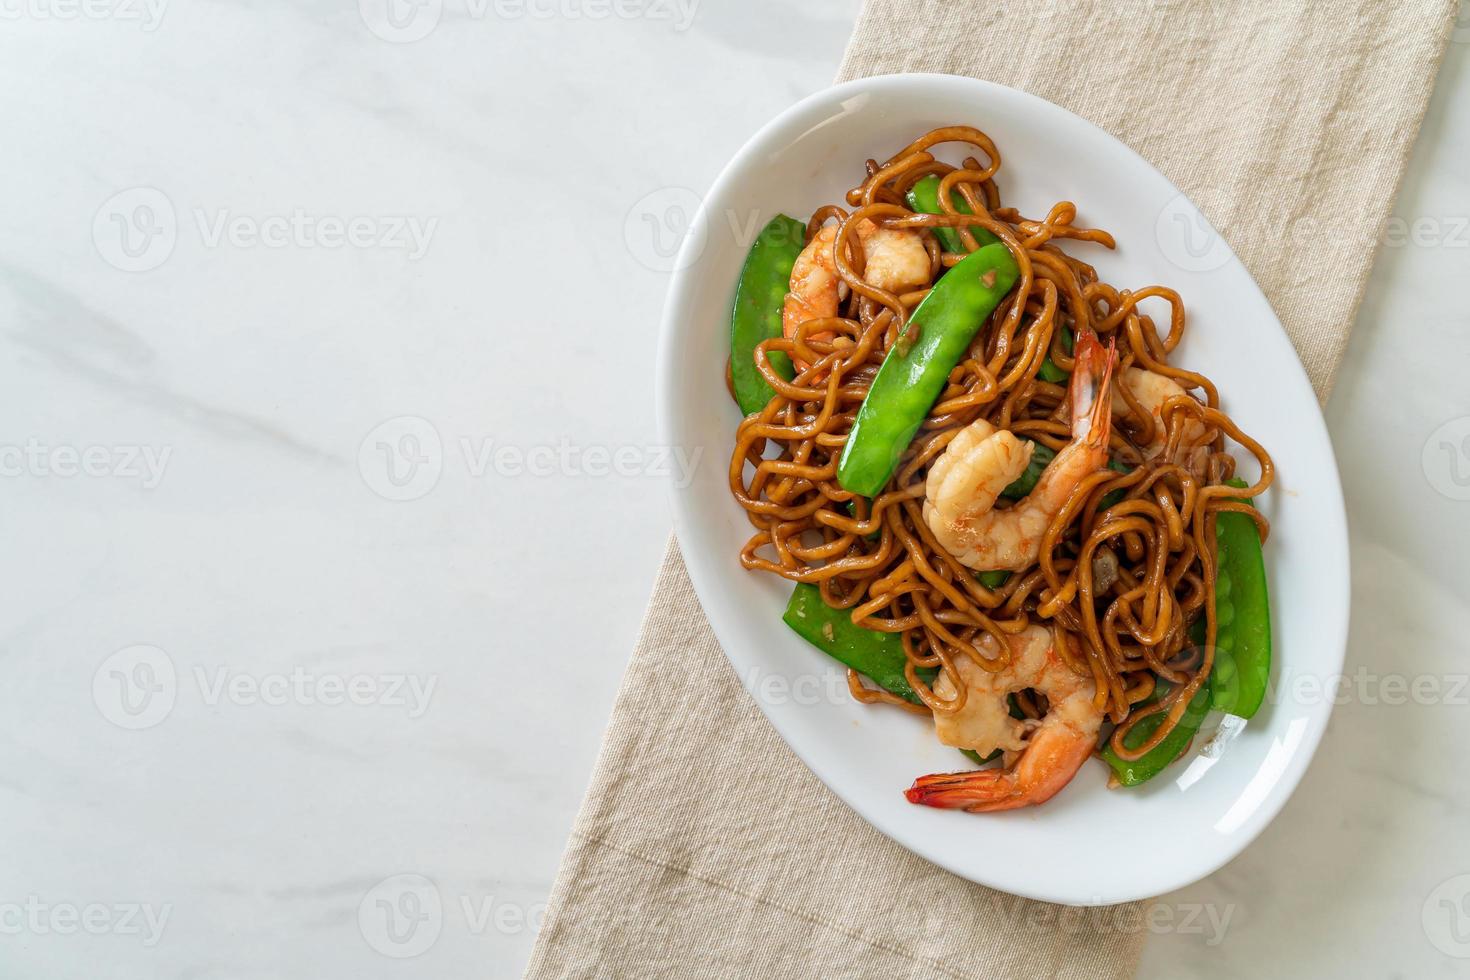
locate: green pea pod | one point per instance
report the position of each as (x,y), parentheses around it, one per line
(1049,370)
(760,296)
(909,381)
(1113,496)
(993,579)
(923,198)
(877,656)
(1242,668)
(1041,457)
(1158,759)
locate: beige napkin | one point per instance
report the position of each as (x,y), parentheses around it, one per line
(704,848)
(1289,122)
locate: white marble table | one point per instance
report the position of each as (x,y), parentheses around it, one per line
(333,500)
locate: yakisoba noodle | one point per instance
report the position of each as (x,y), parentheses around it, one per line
(1118,585)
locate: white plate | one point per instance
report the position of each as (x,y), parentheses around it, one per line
(1088,845)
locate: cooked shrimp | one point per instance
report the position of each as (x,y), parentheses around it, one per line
(896,261)
(1152,390)
(980,462)
(1036,768)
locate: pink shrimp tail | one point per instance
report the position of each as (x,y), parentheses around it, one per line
(1044,769)
(959,790)
(1092,400)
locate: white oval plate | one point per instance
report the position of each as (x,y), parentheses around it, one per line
(1081,847)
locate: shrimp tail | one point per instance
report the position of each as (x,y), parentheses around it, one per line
(1092,400)
(959,790)
(1044,769)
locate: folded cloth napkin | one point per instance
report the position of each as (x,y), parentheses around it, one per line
(1288,122)
(704,848)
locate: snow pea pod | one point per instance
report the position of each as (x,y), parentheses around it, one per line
(1041,457)
(1242,617)
(1157,759)
(1113,496)
(923,198)
(1049,370)
(910,380)
(877,656)
(756,316)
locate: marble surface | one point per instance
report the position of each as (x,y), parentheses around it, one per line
(333,497)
